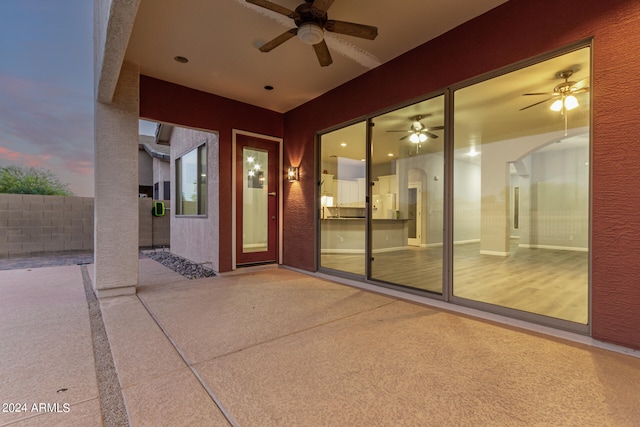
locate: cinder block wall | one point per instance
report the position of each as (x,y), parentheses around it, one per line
(32,224)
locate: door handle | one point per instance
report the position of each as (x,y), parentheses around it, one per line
(274,194)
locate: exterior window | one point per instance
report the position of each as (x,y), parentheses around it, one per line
(191,182)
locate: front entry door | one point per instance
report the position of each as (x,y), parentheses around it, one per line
(256,200)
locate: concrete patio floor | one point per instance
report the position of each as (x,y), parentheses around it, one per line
(274,347)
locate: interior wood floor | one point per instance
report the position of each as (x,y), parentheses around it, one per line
(542,281)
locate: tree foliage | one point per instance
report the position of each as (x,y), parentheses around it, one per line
(30,180)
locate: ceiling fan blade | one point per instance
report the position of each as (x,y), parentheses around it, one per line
(407,131)
(351,29)
(430,135)
(540,93)
(404,137)
(275,7)
(579,83)
(537,103)
(269,46)
(322,5)
(322,52)
(580,90)
(435,128)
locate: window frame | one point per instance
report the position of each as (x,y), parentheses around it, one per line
(201,186)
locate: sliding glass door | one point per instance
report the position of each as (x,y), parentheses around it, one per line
(342,199)
(491,212)
(407,209)
(521,189)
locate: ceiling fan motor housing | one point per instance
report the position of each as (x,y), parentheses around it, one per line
(309,14)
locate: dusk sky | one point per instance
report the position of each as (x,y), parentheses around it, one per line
(46,88)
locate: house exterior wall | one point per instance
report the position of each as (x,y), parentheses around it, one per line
(170,103)
(513,32)
(145,168)
(197,238)
(161,173)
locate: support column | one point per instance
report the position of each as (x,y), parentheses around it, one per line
(116,188)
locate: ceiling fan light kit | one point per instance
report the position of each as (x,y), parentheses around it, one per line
(312,21)
(563,96)
(310,33)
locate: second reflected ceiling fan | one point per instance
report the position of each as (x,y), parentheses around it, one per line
(418,131)
(563,95)
(311,21)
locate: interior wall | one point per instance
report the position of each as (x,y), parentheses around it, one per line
(557,190)
(510,33)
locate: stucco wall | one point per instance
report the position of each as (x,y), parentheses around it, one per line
(197,238)
(145,168)
(32,224)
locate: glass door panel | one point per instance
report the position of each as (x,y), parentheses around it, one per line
(255,200)
(343,196)
(407,204)
(521,189)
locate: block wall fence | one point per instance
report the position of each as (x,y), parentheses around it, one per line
(35,225)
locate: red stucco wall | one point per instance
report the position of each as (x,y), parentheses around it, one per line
(170,103)
(515,31)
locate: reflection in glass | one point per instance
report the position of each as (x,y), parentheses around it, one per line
(521,189)
(255,200)
(407,209)
(191,182)
(343,195)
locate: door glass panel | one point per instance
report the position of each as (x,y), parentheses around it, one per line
(407,209)
(342,203)
(521,189)
(255,200)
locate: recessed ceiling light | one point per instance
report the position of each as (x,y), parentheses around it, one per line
(344,144)
(181,59)
(268,87)
(390,155)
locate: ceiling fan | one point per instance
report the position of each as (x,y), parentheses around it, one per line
(311,21)
(419,132)
(563,94)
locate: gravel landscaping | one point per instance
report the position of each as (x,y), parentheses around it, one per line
(188,269)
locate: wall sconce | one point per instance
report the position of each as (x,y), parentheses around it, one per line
(293,173)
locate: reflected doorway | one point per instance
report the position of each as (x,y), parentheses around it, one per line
(414,213)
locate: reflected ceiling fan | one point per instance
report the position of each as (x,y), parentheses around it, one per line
(419,132)
(563,94)
(311,20)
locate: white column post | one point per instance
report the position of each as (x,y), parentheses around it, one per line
(116,188)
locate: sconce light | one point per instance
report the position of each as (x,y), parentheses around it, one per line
(293,174)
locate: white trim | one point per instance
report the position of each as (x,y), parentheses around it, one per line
(234,134)
(494,253)
(464,242)
(561,248)
(361,251)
